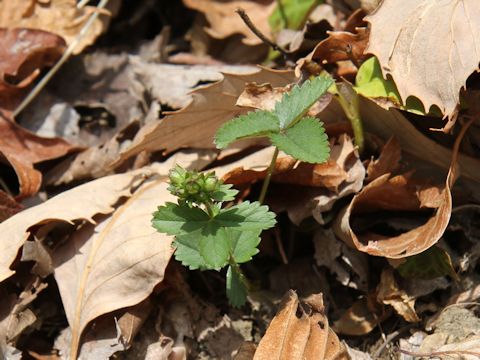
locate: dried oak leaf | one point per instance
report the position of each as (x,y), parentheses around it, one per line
(196,124)
(388,161)
(61,17)
(22,149)
(8,206)
(224,21)
(23,52)
(396,194)
(300,331)
(429,48)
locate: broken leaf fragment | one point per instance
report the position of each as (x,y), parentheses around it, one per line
(300,331)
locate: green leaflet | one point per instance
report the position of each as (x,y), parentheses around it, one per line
(188,252)
(294,11)
(236,288)
(174,219)
(305,141)
(246,216)
(256,123)
(295,104)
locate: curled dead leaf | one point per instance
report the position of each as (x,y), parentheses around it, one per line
(300,331)
(388,161)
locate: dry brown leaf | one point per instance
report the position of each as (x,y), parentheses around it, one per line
(224,21)
(389,293)
(260,96)
(429,48)
(399,193)
(80,203)
(61,17)
(23,53)
(22,149)
(300,331)
(388,161)
(8,206)
(361,318)
(195,125)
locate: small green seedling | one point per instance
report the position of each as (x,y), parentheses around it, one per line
(208,236)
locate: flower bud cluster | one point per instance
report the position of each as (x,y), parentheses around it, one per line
(193,187)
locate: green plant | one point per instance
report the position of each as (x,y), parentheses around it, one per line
(208,236)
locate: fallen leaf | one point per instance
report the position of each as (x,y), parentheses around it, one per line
(22,149)
(361,318)
(195,125)
(389,293)
(386,195)
(388,161)
(260,96)
(225,22)
(300,331)
(8,206)
(23,53)
(61,17)
(96,197)
(417,43)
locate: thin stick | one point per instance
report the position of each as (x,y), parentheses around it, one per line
(258,33)
(266,182)
(82,3)
(281,249)
(440,353)
(41,84)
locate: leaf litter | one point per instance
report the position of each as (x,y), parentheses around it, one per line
(365,241)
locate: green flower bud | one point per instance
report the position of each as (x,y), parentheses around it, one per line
(192,188)
(210,184)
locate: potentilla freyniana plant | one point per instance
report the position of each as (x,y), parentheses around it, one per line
(208,236)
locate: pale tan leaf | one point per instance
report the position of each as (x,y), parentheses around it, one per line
(61,17)
(224,21)
(300,331)
(428,47)
(116,263)
(80,203)
(195,125)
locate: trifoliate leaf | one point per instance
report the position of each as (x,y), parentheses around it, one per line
(305,141)
(246,216)
(257,123)
(214,246)
(236,289)
(174,219)
(295,104)
(188,252)
(243,244)
(295,12)
(224,193)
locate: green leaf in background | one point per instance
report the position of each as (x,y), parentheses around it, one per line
(255,123)
(246,216)
(371,84)
(243,244)
(305,141)
(236,289)
(430,264)
(295,104)
(291,14)
(174,219)
(188,252)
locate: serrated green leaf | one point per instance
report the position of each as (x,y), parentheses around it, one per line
(174,219)
(188,252)
(294,11)
(246,216)
(305,141)
(255,123)
(295,104)
(224,193)
(243,244)
(214,246)
(236,289)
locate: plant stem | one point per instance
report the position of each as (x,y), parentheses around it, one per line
(281,10)
(208,206)
(348,99)
(266,182)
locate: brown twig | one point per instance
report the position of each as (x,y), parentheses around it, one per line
(258,33)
